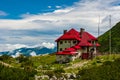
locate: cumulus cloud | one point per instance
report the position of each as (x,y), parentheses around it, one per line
(11,47)
(63,10)
(58,6)
(48,45)
(49,6)
(27,14)
(82,14)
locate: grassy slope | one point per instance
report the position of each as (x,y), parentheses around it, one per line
(10,73)
(102,68)
(104,40)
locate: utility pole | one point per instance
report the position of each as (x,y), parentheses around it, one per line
(110,34)
(98,36)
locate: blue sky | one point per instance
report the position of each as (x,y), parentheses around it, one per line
(26,23)
(15,8)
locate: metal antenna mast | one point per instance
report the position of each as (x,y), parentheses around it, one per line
(99,26)
(110,34)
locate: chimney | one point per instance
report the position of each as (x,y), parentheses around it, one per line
(64,31)
(81,31)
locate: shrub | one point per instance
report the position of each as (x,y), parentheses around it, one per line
(5,57)
(50,73)
(22,58)
(107,63)
(7,73)
(59,70)
(108,71)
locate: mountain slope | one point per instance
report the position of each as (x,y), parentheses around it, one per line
(29,51)
(102,69)
(115,40)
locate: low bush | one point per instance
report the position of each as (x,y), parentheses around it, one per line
(107,71)
(7,73)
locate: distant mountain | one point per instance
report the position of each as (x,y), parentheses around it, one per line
(115,40)
(30,51)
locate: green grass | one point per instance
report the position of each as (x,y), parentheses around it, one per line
(43,60)
(99,61)
(115,40)
(47,65)
(47,62)
(12,73)
(75,61)
(105,67)
(108,70)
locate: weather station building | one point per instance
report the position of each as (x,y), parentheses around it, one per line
(73,44)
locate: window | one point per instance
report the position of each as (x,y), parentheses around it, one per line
(60,56)
(60,49)
(61,42)
(69,56)
(93,42)
(89,41)
(65,41)
(69,41)
(74,42)
(83,47)
(78,42)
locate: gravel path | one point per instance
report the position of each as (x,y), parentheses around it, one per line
(5,64)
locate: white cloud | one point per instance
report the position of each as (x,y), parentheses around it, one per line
(58,6)
(2,13)
(85,11)
(63,10)
(48,45)
(82,14)
(11,47)
(27,14)
(49,6)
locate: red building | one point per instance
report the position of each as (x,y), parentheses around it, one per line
(73,44)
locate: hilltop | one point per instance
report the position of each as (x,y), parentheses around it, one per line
(115,40)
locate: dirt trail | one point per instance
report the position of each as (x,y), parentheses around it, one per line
(5,64)
(76,65)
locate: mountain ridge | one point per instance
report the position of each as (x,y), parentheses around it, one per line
(30,51)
